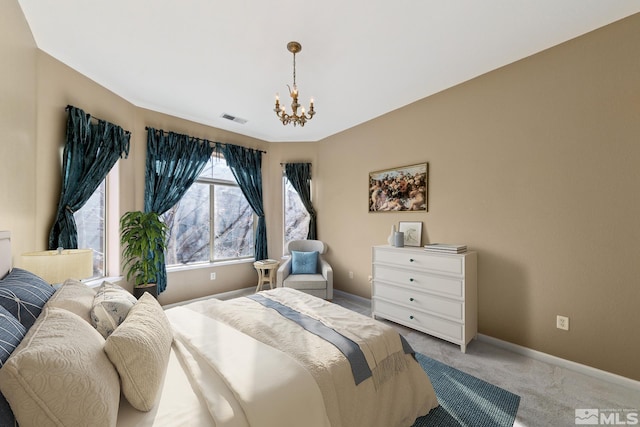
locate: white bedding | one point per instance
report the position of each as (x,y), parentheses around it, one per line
(265,381)
(228,368)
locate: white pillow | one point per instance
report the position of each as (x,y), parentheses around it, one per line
(75,297)
(60,375)
(110,307)
(139,349)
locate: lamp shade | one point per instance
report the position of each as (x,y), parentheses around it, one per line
(58,266)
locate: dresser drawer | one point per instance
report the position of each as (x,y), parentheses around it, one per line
(442,285)
(419,320)
(418,259)
(417,300)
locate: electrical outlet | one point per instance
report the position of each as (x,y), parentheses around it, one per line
(562,322)
(213,276)
(351,275)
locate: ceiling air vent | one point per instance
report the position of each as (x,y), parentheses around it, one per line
(234,118)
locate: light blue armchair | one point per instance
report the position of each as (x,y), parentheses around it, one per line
(318,281)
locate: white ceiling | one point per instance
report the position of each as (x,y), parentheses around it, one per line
(198,59)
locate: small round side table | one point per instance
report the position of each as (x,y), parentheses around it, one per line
(266,272)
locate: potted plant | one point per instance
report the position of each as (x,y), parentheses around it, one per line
(142,235)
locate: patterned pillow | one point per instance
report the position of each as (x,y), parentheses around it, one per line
(60,375)
(110,307)
(304,262)
(11,333)
(24,294)
(75,297)
(139,349)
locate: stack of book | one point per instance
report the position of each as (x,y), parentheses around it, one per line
(445,248)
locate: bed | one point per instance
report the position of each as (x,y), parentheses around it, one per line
(277,358)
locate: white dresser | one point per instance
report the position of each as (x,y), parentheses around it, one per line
(430,292)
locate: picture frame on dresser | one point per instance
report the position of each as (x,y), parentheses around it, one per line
(401,189)
(412,232)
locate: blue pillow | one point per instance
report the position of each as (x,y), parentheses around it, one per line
(304,262)
(24,294)
(6,414)
(11,333)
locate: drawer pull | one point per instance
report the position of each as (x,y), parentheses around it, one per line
(410,299)
(410,259)
(411,317)
(411,279)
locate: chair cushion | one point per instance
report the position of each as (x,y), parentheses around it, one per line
(305,281)
(304,262)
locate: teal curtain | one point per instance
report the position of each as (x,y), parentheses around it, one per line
(90,151)
(299,175)
(246,165)
(174,162)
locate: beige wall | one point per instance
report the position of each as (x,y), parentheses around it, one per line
(58,86)
(535,166)
(532,165)
(18,151)
(36,88)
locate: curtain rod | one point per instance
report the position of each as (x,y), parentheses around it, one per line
(96,118)
(200,139)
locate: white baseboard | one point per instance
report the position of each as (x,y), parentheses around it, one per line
(563,363)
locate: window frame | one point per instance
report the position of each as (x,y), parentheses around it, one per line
(111,250)
(212,183)
(285,180)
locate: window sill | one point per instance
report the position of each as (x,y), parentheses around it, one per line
(203,265)
(95,282)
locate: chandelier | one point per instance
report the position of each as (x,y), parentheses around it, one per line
(301,119)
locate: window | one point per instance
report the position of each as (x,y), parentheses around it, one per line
(212,222)
(296,217)
(90,222)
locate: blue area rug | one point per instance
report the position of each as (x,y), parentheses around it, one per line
(466,400)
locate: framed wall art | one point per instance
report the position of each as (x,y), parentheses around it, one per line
(412,232)
(400,189)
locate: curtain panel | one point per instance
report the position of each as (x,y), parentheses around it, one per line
(246,165)
(173,164)
(299,175)
(90,151)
